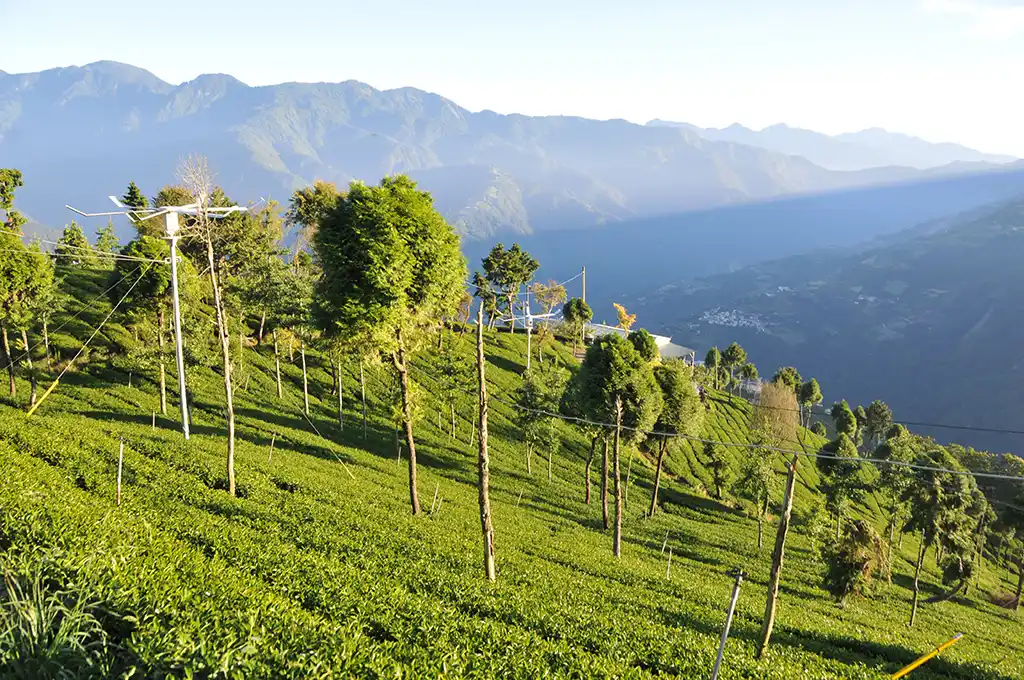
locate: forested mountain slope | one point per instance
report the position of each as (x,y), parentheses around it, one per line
(924,321)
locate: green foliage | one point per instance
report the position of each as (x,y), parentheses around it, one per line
(537,396)
(106,239)
(577,314)
(938,501)
(10,181)
(877,421)
(841,477)
(482,290)
(819,429)
(722,474)
(391,264)
(645,344)
(844,419)
(788,376)
(734,356)
(508,271)
(615,376)
(851,560)
(26,282)
(809,395)
(73,247)
(681,412)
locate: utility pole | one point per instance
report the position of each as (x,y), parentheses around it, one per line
(584,284)
(529,328)
(171,226)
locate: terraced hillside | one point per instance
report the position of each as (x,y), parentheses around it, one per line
(317,569)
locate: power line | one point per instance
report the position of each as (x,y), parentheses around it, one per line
(75,316)
(760,447)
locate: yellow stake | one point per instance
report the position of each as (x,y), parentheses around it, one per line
(927,657)
(45,395)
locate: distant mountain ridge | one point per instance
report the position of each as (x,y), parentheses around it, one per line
(870,148)
(81,133)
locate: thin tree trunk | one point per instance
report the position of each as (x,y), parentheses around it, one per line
(1020,581)
(451,407)
(263,321)
(590,464)
(10,359)
(604,484)
(225,346)
(403,374)
(163,368)
(760,532)
(662,449)
(362,395)
(529,458)
(617,539)
(291,348)
(277,365)
(483,460)
(46,342)
(917,580)
(31,369)
(305,378)
(511,315)
(341,403)
(775,577)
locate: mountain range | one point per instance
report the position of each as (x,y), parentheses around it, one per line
(870,148)
(927,320)
(82,133)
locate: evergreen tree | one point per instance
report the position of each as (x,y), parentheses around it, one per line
(73,247)
(106,239)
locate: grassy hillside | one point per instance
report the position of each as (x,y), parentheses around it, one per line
(318,569)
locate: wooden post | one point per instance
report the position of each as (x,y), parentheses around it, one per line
(739,575)
(120,467)
(154,420)
(777,557)
(668,569)
(273,437)
(483,462)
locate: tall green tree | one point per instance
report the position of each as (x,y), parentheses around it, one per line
(508,271)
(788,376)
(391,267)
(645,344)
(73,247)
(877,421)
(577,314)
(935,498)
(31,285)
(538,397)
(841,478)
(10,181)
(809,396)
(14,263)
(308,208)
(681,413)
(844,419)
(106,239)
(617,386)
(713,365)
(894,478)
(733,358)
(721,470)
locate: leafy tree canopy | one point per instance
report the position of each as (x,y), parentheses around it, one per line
(645,344)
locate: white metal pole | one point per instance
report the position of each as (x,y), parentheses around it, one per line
(171,224)
(528,322)
(738,575)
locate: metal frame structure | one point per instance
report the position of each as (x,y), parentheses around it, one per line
(172,229)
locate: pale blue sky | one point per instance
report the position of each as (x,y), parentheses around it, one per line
(946,70)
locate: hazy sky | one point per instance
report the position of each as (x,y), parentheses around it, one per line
(946,70)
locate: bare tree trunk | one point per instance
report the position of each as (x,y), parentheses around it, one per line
(362,395)
(604,484)
(10,359)
(225,346)
(483,460)
(277,365)
(451,408)
(590,464)
(662,448)
(529,458)
(1020,581)
(917,580)
(892,537)
(760,532)
(341,404)
(511,314)
(263,321)
(617,538)
(305,378)
(291,348)
(163,368)
(399,360)
(46,341)
(31,369)
(775,577)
